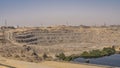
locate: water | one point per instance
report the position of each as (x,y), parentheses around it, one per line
(113,60)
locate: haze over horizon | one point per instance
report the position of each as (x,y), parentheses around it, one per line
(59,12)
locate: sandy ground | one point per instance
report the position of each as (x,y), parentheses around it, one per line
(68,65)
(45,64)
(2,67)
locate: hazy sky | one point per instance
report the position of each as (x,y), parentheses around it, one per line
(59,12)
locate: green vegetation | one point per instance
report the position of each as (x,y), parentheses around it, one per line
(92,54)
(62,56)
(98,53)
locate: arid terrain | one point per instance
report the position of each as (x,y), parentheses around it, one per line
(59,33)
(8,63)
(30,44)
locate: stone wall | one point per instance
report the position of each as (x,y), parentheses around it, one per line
(67,34)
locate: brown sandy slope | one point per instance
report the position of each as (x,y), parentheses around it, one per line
(2,67)
(45,64)
(69,65)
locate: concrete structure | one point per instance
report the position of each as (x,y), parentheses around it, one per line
(63,34)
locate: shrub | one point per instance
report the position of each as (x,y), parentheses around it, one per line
(61,56)
(85,54)
(97,53)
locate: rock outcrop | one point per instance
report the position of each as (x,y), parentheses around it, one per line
(25,53)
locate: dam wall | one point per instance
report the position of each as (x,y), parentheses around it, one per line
(64,34)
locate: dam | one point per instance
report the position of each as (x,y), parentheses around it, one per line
(62,38)
(63,34)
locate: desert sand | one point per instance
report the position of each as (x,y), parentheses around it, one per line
(2,67)
(44,64)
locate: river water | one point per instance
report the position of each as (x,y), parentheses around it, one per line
(113,60)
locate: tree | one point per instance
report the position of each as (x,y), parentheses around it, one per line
(98,53)
(85,54)
(109,50)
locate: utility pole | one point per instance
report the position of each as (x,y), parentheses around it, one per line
(104,24)
(3,30)
(67,23)
(5,23)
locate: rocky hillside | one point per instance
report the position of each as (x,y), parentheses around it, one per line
(34,42)
(25,53)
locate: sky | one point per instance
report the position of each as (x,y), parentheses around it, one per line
(59,12)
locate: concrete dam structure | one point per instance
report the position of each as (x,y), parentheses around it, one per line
(63,34)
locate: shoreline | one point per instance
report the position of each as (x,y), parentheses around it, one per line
(104,61)
(89,64)
(49,64)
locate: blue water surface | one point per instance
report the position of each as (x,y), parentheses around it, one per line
(113,60)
